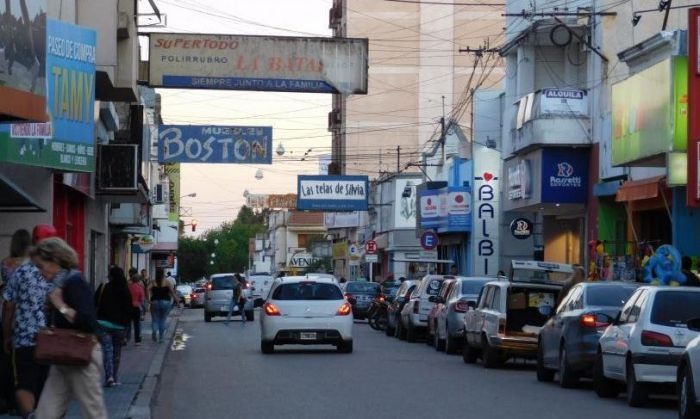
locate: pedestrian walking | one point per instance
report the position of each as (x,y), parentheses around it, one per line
(171,279)
(237,299)
(145,280)
(162,295)
(138,295)
(19,254)
(23,316)
(73,308)
(113,303)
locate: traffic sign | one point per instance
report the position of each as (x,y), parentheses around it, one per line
(429,240)
(371,258)
(371,247)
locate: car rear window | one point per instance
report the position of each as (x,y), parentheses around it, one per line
(675,308)
(472,287)
(222,282)
(363,287)
(608,296)
(433,286)
(307,291)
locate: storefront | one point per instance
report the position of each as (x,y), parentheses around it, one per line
(550,185)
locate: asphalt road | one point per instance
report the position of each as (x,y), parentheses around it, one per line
(217,371)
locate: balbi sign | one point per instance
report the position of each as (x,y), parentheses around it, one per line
(486,218)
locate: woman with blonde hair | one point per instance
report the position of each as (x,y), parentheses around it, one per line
(73,308)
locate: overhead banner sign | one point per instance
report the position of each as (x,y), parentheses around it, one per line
(261,63)
(564,102)
(214,144)
(276,201)
(68,141)
(332,193)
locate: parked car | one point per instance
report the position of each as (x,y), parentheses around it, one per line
(307,311)
(438,302)
(218,298)
(414,315)
(260,285)
(450,318)
(569,340)
(362,293)
(644,345)
(403,295)
(509,315)
(184,294)
(688,374)
(197,297)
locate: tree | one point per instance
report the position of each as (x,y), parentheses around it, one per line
(232,248)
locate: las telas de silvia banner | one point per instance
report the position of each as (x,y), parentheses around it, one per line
(265,63)
(332,193)
(214,144)
(67,142)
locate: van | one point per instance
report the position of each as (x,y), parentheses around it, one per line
(414,315)
(218,297)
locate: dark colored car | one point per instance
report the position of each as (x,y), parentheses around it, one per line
(362,293)
(403,294)
(569,340)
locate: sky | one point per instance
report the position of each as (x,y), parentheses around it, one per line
(299,120)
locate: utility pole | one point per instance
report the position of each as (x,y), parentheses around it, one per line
(398,159)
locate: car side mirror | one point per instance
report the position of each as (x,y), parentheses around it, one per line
(694,324)
(433,299)
(258,302)
(616,320)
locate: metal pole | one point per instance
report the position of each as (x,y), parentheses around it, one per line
(398,158)
(371,272)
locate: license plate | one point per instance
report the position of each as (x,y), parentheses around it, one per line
(307,336)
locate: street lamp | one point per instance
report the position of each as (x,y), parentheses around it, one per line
(190,195)
(259,174)
(280,150)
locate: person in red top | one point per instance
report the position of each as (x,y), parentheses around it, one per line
(138,294)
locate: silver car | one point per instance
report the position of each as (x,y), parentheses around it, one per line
(218,298)
(449,335)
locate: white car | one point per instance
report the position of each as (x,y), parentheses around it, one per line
(306,310)
(260,285)
(689,377)
(644,345)
(414,315)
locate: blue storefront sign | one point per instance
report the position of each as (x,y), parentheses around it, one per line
(430,208)
(564,176)
(332,193)
(214,144)
(447,210)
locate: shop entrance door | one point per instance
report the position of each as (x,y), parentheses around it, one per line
(563,240)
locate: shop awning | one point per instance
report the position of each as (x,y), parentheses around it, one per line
(609,188)
(635,190)
(14,199)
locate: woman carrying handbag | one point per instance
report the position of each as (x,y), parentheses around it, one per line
(73,309)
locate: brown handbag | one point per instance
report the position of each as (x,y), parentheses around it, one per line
(56,346)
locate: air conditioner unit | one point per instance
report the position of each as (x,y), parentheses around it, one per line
(117,166)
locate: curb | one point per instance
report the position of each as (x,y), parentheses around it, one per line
(141,407)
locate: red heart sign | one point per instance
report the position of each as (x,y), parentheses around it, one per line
(488,176)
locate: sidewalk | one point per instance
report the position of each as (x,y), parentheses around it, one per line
(137,362)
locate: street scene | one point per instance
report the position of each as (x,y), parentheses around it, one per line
(349,208)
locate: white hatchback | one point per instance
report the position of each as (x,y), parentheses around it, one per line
(643,346)
(306,310)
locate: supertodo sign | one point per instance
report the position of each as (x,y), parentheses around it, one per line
(429,240)
(371,247)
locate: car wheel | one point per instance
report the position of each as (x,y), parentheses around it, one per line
(267,347)
(544,374)
(490,356)
(451,345)
(345,347)
(250,315)
(469,354)
(567,376)
(687,409)
(400,331)
(410,333)
(603,386)
(389,331)
(207,317)
(637,393)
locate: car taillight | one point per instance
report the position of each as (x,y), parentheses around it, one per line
(381,299)
(271,310)
(344,310)
(592,321)
(650,338)
(460,307)
(208,286)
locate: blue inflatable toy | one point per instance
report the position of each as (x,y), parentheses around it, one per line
(664,267)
